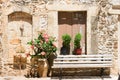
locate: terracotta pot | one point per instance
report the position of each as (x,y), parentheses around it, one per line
(78,51)
(40,67)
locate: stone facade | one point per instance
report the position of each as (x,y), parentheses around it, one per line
(107,32)
(102,25)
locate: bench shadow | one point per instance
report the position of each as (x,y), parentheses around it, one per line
(105,77)
(81,77)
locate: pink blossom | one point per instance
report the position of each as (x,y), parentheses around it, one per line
(46,40)
(54,45)
(45,36)
(28,54)
(32,47)
(43,53)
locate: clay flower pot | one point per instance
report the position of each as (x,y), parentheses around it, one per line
(39,66)
(78,51)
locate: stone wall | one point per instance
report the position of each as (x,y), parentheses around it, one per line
(102,27)
(106,33)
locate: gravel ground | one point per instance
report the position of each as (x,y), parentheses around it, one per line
(21,78)
(88,78)
(63,78)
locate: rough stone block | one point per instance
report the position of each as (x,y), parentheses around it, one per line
(15,41)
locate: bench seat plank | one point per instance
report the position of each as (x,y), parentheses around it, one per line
(81,66)
(97,55)
(83,59)
(81,62)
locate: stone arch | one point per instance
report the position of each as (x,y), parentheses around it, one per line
(13,9)
(20,15)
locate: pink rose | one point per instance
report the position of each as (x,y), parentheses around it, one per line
(45,36)
(54,45)
(28,54)
(43,53)
(46,40)
(32,47)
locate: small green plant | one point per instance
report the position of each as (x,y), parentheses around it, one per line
(77,41)
(66,40)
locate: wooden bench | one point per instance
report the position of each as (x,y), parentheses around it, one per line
(83,61)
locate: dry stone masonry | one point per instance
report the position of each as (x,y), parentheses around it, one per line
(21,21)
(106,32)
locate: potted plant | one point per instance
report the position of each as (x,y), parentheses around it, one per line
(77,46)
(65,49)
(43,47)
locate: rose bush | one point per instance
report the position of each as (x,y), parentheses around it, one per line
(43,46)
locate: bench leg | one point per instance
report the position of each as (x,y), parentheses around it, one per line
(60,70)
(102,71)
(52,72)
